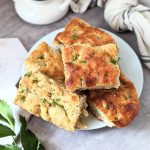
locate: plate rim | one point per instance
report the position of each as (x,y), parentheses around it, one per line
(109,32)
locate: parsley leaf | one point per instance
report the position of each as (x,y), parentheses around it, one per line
(28,139)
(82,61)
(75,57)
(114,61)
(28,74)
(41,56)
(6,113)
(74,37)
(55,103)
(43,100)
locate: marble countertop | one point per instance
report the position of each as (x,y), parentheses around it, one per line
(135,136)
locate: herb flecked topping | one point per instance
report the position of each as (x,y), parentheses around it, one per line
(28,74)
(55,103)
(41,56)
(35,80)
(60,43)
(75,57)
(74,37)
(82,61)
(114,61)
(127,97)
(43,100)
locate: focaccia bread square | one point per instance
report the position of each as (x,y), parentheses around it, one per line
(116,107)
(47,61)
(77,31)
(43,97)
(89,67)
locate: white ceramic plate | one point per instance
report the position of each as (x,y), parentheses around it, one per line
(129,64)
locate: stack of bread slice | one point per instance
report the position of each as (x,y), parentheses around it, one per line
(87,62)
(90,58)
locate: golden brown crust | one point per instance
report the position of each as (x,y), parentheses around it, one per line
(78,31)
(46,61)
(89,67)
(120,106)
(43,97)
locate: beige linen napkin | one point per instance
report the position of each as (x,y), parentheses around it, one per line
(12,54)
(123,15)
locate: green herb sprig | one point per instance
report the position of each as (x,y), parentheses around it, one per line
(28,140)
(56,102)
(115,61)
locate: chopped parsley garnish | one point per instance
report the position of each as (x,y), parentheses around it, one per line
(52,93)
(62,107)
(62,93)
(43,100)
(21,91)
(98,37)
(59,42)
(28,74)
(22,97)
(23,100)
(127,97)
(28,91)
(81,81)
(55,103)
(35,80)
(75,57)
(82,61)
(74,37)
(114,61)
(49,94)
(41,56)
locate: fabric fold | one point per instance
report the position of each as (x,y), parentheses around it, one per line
(130,15)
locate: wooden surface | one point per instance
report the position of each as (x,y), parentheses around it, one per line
(135,136)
